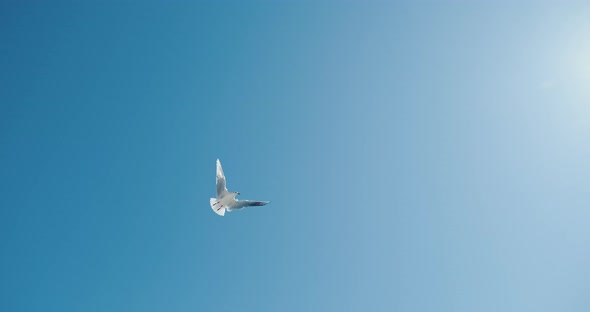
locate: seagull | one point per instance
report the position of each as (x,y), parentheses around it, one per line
(227,200)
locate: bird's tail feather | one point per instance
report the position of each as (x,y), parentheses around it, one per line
(216,207)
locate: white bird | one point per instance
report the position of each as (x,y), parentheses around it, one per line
(227,200)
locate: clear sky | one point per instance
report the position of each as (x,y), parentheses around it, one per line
(432,156)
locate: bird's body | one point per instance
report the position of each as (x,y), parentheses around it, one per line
(227,200)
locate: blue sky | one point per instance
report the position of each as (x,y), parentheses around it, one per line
(419,157)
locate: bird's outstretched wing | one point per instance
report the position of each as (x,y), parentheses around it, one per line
(239,204)
(221,188)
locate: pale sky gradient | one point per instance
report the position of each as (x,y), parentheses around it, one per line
(419,157)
